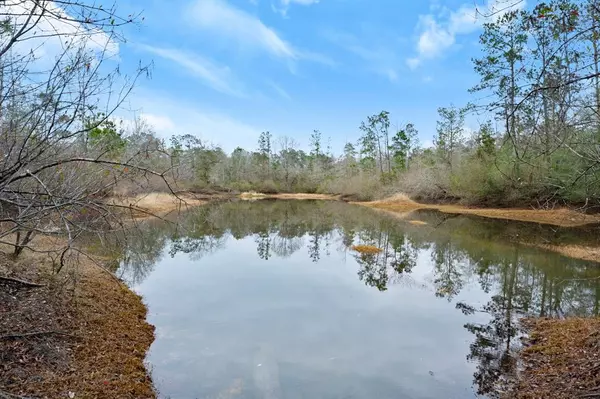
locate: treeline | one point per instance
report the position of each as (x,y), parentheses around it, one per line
(539,98)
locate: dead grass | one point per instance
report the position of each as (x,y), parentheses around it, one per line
(103,354)
(366,249)
(556,217)
(562,360)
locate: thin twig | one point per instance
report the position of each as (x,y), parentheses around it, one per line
(35,334)
(26,283)
(8,395)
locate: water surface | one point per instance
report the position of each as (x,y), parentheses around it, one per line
(267,299)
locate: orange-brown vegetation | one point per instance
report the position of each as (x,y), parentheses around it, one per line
(366,249)
(562,360)
(92,338)
(557,217)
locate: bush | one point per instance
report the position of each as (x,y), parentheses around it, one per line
(357,188)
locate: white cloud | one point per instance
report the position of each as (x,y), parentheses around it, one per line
(438,33)
(54,31)
(220,18)
(169,116)
(245,30)
(219,78)
(160,123)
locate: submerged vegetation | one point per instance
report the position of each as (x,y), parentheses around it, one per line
(366,249)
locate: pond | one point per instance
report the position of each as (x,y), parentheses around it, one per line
(268,299)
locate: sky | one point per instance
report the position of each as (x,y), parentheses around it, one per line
(226,70)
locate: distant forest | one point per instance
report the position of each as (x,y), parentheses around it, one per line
(540,85)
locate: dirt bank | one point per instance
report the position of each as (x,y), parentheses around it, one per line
(557,217)
(561,360)
(82,334)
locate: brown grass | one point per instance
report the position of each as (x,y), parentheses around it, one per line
(103,355)
(562,361)
(557,217)
(366,249)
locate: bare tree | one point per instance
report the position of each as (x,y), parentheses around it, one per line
(60,152)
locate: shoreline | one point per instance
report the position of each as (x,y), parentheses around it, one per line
(403,208)
(91,331)
(561,217)
(108,319)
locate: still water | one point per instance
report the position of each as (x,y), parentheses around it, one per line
(267,299)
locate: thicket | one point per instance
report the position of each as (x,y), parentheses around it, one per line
(539,95)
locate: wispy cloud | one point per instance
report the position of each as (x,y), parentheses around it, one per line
(219,78)
(246,30)
(279,90)
(219,17)
(438,32)
(382,60)
(169,115)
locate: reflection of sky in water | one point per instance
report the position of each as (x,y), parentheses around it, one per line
(311,322)
(330,336)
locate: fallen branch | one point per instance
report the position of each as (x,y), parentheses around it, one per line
(23,282)
(35,334)
(8,395)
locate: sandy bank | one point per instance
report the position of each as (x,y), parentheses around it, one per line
(557,217)
(402,207)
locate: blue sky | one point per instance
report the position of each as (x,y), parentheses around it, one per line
(225,70)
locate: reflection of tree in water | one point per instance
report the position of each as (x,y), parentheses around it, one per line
(197,247)
(284,247)
(520,281)
(263,245)
(450,269)
(397,257)
(138,252)
(523,289)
